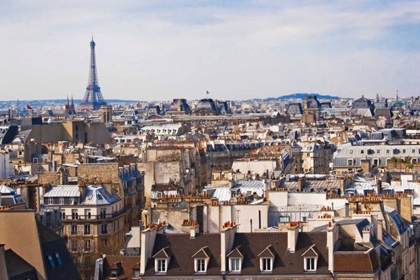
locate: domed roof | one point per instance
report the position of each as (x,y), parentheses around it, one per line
(206,104)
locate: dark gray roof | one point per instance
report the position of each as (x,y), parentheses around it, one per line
(18,268)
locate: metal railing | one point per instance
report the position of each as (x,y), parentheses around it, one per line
(102,216)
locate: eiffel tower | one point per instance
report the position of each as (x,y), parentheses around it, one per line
(93,99)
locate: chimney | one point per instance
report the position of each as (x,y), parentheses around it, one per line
(292,236)
(332,237)
(347,210)
(82,190)
(342,186)
(379,234)
(379,186)
(227,238)
(366,234)
(194,229)
(301,184)
(147,240)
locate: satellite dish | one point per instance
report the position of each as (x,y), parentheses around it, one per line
(50,121)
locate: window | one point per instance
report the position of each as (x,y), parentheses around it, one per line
(57,257)
(102,213)
(73,229)
(161,265)
(104,229)
(403,150)
(51,261)
(351,151)
(362,151)
(114,273)
(74,214)
(350,162)
(87,229)
(200,265)
(235,264)
(74,245)
(87,245)
(87,214)
(265,264)
(310,264)
(136,273)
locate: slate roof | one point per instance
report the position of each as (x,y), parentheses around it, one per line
(18,267)
(97,195)
(183,248)
(356,261)
(284,262)
(128,263)
(249,245)
(63,191)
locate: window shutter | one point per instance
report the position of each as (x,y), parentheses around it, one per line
(69,230)
(79,229)
(91,229)
(109,228)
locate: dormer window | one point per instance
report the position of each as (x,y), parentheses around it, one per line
(201,260)
(310,264)
(234,264)
(266,264)
(267,259)
(136,273)
(310,259)
(200,265)
(114,273)
(162,259)
(161,265)
(235,260)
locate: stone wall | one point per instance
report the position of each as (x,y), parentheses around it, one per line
(100,171)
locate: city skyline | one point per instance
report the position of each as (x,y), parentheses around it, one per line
(235,50)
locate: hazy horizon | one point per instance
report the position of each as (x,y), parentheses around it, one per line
(236,50)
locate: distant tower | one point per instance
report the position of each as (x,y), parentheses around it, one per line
(72,110)
(93,99)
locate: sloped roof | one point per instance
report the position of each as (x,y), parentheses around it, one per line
(63,191)
(17,266)
(183,248)
(6,190)
(128,264)
(356,261)
(97,195)
(285,262)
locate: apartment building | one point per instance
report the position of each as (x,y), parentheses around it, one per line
(93,218)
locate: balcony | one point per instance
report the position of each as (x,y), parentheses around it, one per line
(93,217)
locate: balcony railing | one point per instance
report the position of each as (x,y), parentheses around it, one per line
(102,216)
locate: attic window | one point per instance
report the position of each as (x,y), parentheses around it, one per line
(114,273)
(160,265)
(57,257)
(234,264)
(310,263)
(200,265)
(310,259)
(51,261)
(266,264)
(136,273)
(201,260)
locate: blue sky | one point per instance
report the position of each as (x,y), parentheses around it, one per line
(159,50)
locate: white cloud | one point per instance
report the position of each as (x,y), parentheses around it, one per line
(181,49)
